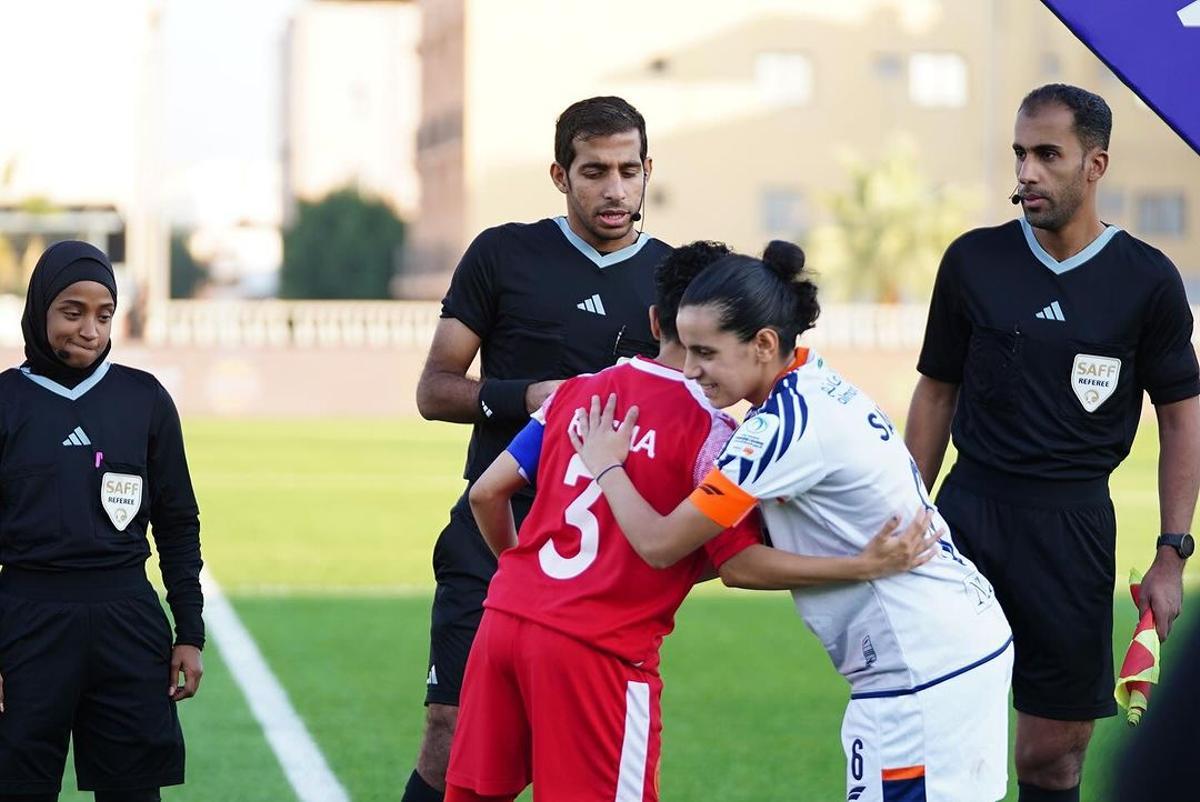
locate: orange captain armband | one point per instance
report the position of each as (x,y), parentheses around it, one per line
(721,500)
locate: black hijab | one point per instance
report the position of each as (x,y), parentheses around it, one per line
(63,264)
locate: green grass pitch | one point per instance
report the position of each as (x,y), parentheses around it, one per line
(321,533)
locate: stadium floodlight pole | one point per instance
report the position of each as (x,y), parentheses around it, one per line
(147,251)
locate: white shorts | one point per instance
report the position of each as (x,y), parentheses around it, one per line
(947,743)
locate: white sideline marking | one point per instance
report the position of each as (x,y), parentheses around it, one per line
(297,753)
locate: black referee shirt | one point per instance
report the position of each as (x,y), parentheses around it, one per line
(1053,357)
(548,306)
(85,470)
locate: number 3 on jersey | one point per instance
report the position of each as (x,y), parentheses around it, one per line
(579,515)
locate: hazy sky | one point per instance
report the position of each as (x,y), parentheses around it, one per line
(77,130)
(223,73)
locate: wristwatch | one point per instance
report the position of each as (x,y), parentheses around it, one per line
(1184,544)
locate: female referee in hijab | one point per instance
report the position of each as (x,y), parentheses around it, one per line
(91,457)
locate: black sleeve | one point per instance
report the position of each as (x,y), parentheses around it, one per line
(947,331)
(471,298)
(1166,360)
(175,522)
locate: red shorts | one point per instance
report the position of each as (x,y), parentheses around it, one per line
(538,706)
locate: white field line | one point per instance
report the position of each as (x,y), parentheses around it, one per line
(298,755)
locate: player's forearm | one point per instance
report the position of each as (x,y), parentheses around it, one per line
(447,396)
(660,540)
(1178,463)
(491,502)
(927,430)
(764,568)
(494,517)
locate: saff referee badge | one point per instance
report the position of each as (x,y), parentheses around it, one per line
(1093,378)
(121,497)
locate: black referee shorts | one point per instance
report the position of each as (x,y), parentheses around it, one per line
(463,566)
(1049,549)
(86,654)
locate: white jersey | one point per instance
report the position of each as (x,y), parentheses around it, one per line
(827,469)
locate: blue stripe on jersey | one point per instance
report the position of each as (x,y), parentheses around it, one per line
(789,406)
(744,467)
(767,454)
(904,790)
(526,448)
(777,405)
(926,685)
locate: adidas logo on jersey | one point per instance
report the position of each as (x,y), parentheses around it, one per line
(868,650)
(432,678)
(77,438)
(593,305)
(1052,312)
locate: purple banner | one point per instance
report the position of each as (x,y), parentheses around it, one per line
(1152,45)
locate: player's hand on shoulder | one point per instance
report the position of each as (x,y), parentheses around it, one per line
(601,444)
(895,550)
(185,659)
(537,393)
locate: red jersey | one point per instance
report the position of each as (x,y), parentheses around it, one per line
(572,569)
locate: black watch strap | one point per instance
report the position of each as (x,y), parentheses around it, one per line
(1183,543)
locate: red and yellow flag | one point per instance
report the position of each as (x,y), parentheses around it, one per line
(1139,669)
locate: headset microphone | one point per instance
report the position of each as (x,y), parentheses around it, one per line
(636,216)
(1015,197)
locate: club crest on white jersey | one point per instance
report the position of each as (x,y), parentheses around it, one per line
(753,436)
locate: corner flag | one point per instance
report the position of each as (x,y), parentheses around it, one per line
(1152,45)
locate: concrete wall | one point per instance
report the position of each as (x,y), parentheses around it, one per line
(279,383)
(348,382)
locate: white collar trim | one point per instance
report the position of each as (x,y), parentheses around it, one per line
(1057,267)
(69,393)
(601,260)
(662,371)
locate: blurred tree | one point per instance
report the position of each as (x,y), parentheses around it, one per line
(16,264)
(34,247)
(10,269)
(887,231)
(187,274)
(342,246)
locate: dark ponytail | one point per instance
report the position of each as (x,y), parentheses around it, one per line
(754,294)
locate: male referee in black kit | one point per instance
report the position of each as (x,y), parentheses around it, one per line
(1043,334)
(544,301)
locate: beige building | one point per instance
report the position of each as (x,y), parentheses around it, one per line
(351,101)
(81,147)
(749,106)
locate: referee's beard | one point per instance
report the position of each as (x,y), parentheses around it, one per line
(1060,211)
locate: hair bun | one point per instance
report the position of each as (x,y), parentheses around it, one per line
(784,258)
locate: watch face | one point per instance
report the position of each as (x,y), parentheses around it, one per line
(1187,545)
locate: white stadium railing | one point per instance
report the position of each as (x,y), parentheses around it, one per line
(410,324)
(299,324)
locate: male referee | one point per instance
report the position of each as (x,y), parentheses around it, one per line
(543,301)
(1043,334)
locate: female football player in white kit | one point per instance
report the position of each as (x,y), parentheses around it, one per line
(928,653)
